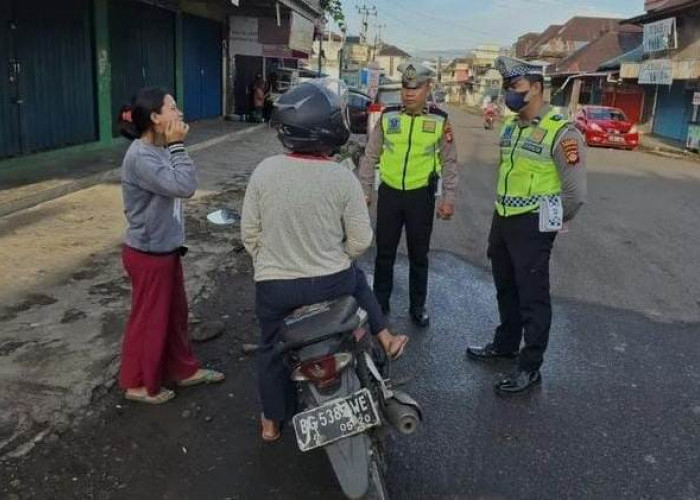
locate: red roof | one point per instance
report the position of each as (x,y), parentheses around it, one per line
(600,50)
(561,41)
(545,36)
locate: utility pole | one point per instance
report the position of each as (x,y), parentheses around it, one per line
(366,13)
(377,40)
(320,49)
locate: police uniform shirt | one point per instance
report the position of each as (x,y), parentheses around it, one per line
(570,158)
(448,154)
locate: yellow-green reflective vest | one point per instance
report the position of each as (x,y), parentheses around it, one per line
(411,148)
(527,172)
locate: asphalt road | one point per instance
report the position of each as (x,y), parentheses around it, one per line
(617,416)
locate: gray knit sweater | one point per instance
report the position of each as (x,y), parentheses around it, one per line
(303,218)
(154,181)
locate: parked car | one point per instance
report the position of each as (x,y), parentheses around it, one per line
(607,126)
(389,95)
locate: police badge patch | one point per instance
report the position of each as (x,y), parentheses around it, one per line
(538,135)
(533,147)
(429,126)
(394,125)
(410,74)
(571,151)
(507,136)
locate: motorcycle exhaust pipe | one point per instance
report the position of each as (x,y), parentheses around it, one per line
(403,418)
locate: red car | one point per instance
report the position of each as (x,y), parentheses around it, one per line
(605,126)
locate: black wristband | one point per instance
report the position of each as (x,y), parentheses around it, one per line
(176,147)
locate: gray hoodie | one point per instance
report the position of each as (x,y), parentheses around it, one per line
(154,181)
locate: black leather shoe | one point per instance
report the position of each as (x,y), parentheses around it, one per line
(488,353)
(517,382)
(420,318)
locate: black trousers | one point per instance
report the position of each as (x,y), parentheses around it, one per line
(274,301)
(519,255)
(414,209)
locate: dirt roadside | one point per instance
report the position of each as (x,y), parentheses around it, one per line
(64,298)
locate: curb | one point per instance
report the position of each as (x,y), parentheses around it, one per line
(113,175)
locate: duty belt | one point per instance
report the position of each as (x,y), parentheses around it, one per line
(521,202)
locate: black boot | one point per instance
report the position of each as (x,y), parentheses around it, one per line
(517,382)
(489,353)
(420,317)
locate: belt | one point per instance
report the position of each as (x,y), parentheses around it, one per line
(523,202)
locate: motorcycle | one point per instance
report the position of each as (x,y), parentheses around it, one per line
(346,400)
(489,118)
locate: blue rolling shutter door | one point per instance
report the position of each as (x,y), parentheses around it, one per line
(202,68)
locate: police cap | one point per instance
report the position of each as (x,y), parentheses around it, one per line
(512,68)
(414,75)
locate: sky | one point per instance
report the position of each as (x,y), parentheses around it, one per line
(418,25)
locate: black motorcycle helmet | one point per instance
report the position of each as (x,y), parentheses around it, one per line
(313,117)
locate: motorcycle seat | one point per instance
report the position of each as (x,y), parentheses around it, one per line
(316,321)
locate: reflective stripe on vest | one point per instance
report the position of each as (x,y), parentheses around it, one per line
(527,172)
(411,149)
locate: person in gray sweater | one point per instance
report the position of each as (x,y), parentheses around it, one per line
(304,223)
(157,174)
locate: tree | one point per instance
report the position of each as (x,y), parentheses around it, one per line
(334,9)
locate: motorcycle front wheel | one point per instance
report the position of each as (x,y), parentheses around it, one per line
(377,483)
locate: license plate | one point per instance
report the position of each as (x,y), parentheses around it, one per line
(335,420)
(617,138)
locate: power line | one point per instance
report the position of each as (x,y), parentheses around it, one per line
(402,23)
(424,15)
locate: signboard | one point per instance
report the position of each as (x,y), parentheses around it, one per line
(301,36)
(350,77)
(693,141)
(696,99)
(660,35)
(656,72)
(243,36)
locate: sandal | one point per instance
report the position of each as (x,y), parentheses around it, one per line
(202,377)
(163,396)
(269,438)
(395,352)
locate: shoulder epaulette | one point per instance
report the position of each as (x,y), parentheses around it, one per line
(434,110)
(557,118)
(391,109)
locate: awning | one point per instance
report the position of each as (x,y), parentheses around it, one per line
(633,56)
(310,9)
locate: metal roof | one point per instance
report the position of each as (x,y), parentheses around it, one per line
(633,56)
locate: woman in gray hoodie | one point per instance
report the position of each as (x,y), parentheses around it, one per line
(157,173)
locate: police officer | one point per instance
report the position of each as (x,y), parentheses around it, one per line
(413,145)
(541,186)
